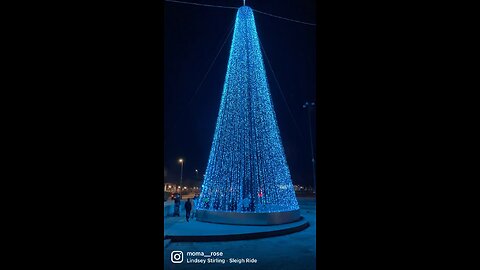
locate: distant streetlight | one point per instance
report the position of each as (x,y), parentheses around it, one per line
(181,172)
(310,106)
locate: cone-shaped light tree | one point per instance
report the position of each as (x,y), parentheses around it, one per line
(247,170)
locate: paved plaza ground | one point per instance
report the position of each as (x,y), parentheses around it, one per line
(292,251)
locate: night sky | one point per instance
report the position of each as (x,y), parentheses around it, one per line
(193,35)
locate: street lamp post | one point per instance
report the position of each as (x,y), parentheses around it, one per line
(181,174)
(309,107)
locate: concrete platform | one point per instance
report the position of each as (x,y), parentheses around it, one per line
(196,231)
(166,242)
(255,219)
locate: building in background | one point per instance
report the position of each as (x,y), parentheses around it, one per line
(170,187)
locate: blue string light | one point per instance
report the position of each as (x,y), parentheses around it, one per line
(247,170)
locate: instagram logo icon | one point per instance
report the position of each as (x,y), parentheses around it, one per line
(176,256)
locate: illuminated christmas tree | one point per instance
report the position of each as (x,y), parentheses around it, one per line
(247,172)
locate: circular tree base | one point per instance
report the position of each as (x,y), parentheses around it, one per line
(194,231)
(236,218)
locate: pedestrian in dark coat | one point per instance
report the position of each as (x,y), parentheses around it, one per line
(188,208)
(177,206)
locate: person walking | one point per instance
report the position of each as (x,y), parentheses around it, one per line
(188,208)
(177,206)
